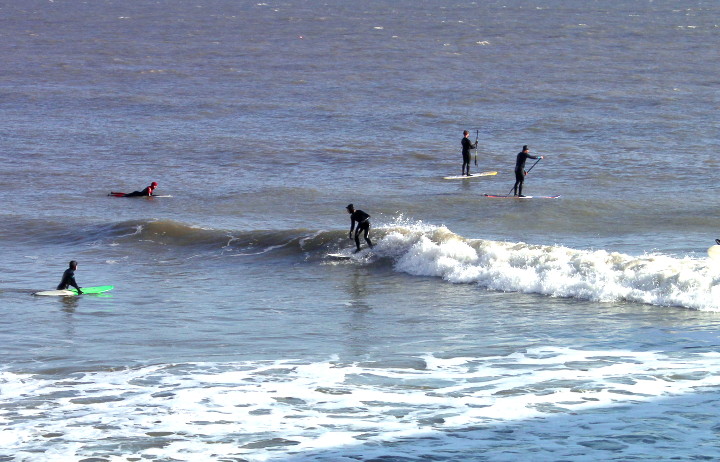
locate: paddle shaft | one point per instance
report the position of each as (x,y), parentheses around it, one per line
(477,136)
(539,159)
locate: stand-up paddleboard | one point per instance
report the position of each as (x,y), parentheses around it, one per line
(73,292)
(491,196)
(122,194)
(467,177)
(714,251)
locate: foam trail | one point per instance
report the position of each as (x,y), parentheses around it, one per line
(425,250)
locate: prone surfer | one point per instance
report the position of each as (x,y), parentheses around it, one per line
(363,225)
(467,145)
(145,192)
(68,278)
(520,172)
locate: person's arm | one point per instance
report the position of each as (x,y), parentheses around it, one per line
(352,225)
(74,284)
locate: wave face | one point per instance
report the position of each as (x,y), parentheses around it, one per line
(426,250)
(554,270)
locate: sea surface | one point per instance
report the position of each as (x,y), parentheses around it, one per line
(583,328)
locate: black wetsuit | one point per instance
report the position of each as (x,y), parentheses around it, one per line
(522,157)
(68,280)
(466,147)
(145,192)
(363,224)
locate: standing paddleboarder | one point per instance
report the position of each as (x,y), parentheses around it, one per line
(520,172)
(68,278)
(467,145)
(363,224)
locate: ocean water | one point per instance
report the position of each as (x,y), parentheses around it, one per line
(582,328)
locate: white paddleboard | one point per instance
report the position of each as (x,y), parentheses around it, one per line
(466,177)
(492,196)
(714,252)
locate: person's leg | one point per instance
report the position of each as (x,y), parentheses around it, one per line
(519,177)
(367,235)
(357,238)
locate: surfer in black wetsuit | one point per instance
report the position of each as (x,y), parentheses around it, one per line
(363,224)
(520,172)
(467,145)
(145,192)
(68,278)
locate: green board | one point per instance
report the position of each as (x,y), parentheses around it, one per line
(93,290)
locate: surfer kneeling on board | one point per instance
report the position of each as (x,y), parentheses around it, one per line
(145,192)
(68,278)
(467,145)
(363,224)
(520,172)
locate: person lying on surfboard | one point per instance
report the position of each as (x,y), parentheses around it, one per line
(467,145)
(68,278)
(363,224)
(145,192)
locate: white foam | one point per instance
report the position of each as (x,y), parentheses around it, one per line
(559,271)
(275,410)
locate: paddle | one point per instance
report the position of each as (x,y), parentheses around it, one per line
(477,135)
(528,171)
(539,159)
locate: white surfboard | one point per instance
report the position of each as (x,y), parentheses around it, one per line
(714,252)
(338,256)
(466,177)
(55,293)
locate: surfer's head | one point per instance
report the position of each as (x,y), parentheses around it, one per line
(154,184)
(73,265)
(466,133)
(350,208)
(525,148)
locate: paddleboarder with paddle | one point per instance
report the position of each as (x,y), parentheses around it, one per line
(520,172)
(467,145)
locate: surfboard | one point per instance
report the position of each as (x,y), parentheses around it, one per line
(122,194)
(466,177)
(350,255)
(72,292)
(714,251)
(338,256)
(492,196)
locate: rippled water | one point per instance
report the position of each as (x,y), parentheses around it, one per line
(578,328)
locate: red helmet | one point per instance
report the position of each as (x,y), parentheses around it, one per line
(153,184)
